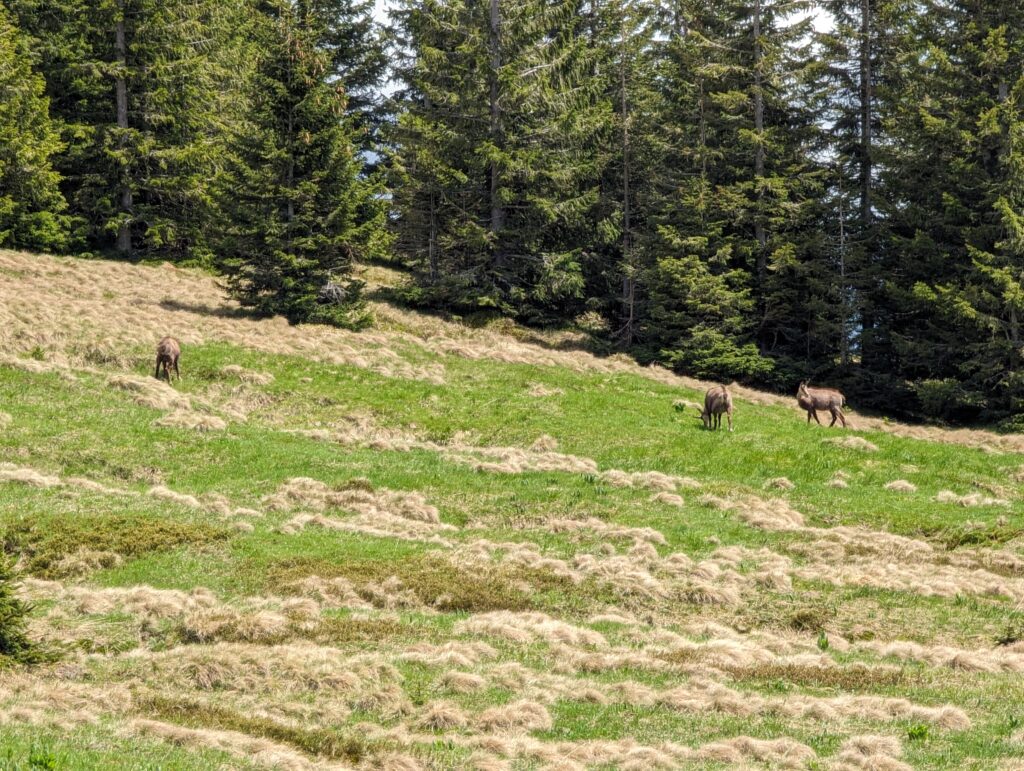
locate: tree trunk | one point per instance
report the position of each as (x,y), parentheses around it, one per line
(759,230)
(124,231)
(844,311)
(865,114)
(497,209)
(432,243)
(629,279)
(865,178)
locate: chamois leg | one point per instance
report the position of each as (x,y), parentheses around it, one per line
(839,414)
(176,370)
(157,373)
(728,416)
(815,414)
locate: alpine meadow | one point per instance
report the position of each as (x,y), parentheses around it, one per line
(469,384)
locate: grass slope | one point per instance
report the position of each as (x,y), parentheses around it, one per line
(483,570)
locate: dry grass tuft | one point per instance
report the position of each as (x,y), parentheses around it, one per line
(383,525)
(852,443)
(540,391)
(382,513)
(334,592)
(776,753)
(779,483)
(838,483)
(454,653)
(929,579)
(182,499)
(357,496)
(482,761)
(150,392)
(770,514)
(27,476)
(246,375)
(195,421)
(10,472)
(83,562)
(262,752)
(528,627)
(544,443)
(518,716)
(1003,659)
(55,704)
(650,480)
(901,486)
(462,682)
(869,753)
(395,761)
(969,500)
(669,499)
(5,419)
(443,716)
(607,529)
(515,460)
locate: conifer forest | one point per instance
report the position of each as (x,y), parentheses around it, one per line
(765,191)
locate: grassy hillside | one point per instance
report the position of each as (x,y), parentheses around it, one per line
(428,546)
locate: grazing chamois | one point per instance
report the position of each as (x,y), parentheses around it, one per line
(814,399)
(167,353)
(716,401)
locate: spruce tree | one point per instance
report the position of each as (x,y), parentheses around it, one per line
(736,261)
(15,645)
(954,197)
(295,211)
(624,62)
(496,153)
(32,209)
(137,87)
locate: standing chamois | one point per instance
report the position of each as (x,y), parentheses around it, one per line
(814,399)
(167,353)
(716,401)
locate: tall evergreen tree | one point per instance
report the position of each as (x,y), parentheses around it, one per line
(31,205)
(623,59)
(295,209)
(737,267)
(495,152)
(137,86)
(954,201)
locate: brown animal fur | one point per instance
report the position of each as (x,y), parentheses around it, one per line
(716,401)
(814,399)
(167,353)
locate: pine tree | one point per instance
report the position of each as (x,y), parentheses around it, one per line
(294,208)
(31,205)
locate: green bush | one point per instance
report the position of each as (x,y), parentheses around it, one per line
(15,647)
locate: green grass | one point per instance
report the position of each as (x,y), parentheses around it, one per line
(622,421)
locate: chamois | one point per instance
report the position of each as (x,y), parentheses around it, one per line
(716,401)
(167,353)
(814,399)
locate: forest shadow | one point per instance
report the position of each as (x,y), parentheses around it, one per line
(205,309)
